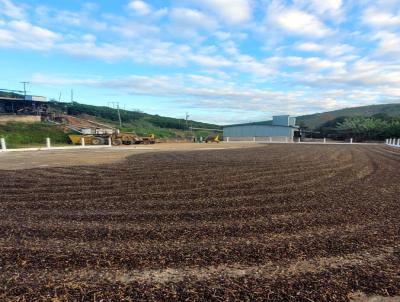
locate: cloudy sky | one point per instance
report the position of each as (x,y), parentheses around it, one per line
(223,61)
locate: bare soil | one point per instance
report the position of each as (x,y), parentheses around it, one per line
(95,156)
(274,223)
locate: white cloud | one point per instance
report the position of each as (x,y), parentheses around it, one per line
(9,9)
(21,34)
(389,43)
(298,22)
(130,29)
(230,11)
(309,46)
(185,17)
(106,52)
(140,7)
(210,61)
(332,50)
(79,19)
(322,7)
(378,18)
(327,5)
(313,63)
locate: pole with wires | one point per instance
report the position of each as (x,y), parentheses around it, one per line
(24,83)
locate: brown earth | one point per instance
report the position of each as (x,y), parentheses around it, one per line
(275,223)
(95,156)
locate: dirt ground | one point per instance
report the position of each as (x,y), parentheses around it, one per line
(273,223)
(93,156)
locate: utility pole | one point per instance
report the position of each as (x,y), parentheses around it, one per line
(186,118)
(25,83)
(119,115)
(116,104)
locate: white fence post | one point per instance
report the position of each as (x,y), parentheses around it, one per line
(3,144)
(82,141)
(109,141)
(386,141)
(48,143)
(299,140)
(254,139)
(324,140)
(227,139)
(390,141)
(351,141)
(398,142)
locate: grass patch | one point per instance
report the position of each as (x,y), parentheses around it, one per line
(19,135)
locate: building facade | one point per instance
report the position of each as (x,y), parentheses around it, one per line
(17,104)
(283,128)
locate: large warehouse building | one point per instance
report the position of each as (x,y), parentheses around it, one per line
(283,128)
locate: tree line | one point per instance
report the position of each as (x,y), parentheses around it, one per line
(376,127)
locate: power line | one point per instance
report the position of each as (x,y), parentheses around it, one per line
(116,105)
(25,83)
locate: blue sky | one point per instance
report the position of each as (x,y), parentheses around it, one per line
(222,61)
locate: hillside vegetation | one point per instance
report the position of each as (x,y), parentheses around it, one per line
(314,121)
(139,122)
(377,127)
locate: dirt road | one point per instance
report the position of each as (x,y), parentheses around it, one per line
(277,223)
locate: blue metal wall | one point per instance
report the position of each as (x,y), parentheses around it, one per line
(280,120)
(258,130)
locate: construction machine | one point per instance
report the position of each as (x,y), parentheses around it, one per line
(213,138)
(116,138)
(95,133)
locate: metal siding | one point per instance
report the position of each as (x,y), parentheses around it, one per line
(257,130)
(280,120)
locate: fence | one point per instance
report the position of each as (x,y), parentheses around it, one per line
(393,142)
(260,139)
(279,139)
(48,144)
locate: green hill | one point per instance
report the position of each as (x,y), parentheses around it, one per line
(139,122)
(314,121)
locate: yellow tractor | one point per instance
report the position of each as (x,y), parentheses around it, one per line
(116,139)
(213,138)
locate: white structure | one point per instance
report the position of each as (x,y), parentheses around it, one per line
(394,142)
